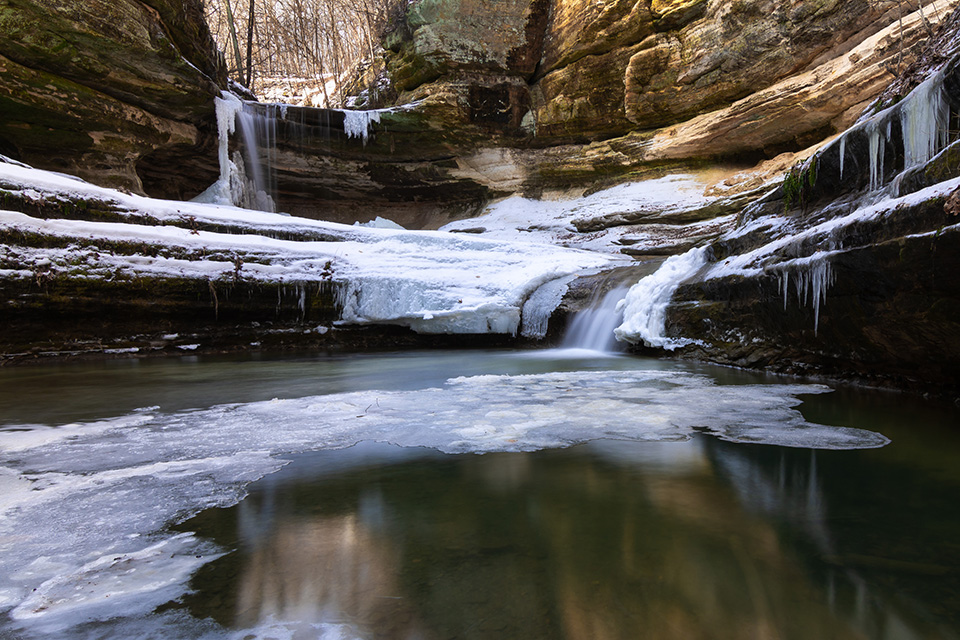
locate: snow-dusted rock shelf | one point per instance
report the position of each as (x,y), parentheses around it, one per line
(86,268)
(846,268)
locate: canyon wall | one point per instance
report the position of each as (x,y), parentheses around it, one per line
(119,92)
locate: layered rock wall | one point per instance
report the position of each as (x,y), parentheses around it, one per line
(116,91)
(621,88)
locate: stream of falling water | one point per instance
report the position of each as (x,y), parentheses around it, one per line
(592,328)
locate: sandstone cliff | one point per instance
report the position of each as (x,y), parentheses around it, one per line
(117,91)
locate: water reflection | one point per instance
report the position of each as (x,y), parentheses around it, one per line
(607,540)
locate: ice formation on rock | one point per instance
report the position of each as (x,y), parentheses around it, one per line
(359,124)
(540,306)
(812,277)
(645,305)
(234,186)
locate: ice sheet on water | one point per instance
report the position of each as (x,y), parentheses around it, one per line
(99,500)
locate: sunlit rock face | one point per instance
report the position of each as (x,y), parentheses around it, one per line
(117,91)
(846,270)
(621,87)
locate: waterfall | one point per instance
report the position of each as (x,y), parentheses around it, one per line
(242,182)
(259,132)
(592,328)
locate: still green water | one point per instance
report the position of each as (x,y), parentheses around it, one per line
(702,539)
(608,539)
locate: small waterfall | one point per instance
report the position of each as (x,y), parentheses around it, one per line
(592,328)
(242,181)
(248,175)
(259,132)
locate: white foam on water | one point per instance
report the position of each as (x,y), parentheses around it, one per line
(89,521)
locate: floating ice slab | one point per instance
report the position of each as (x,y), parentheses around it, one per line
(88,519)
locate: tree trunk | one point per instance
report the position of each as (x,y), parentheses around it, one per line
(233,37)
(250,45)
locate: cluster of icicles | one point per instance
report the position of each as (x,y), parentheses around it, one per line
(248,179)
(924,121)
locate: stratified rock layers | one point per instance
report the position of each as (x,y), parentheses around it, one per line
(116,91)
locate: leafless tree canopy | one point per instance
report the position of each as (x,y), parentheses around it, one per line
(318,41)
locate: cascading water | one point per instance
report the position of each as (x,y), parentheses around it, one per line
(248,178)
(592,328)
(242,181)
(259,132)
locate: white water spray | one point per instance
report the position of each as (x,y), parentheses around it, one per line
(593,328)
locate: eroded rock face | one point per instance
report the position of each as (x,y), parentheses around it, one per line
(633,87)
(111,90)
(847,268)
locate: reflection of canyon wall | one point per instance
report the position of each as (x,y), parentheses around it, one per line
(691,542)
(686,560)
(325,569)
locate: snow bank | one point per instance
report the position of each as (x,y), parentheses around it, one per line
(551,221)
(431,281)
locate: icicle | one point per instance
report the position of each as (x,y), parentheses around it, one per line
(876,148)
(358,124)
(784,278)
(814,275)
(924,117)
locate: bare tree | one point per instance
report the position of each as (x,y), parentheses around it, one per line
(320,41)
